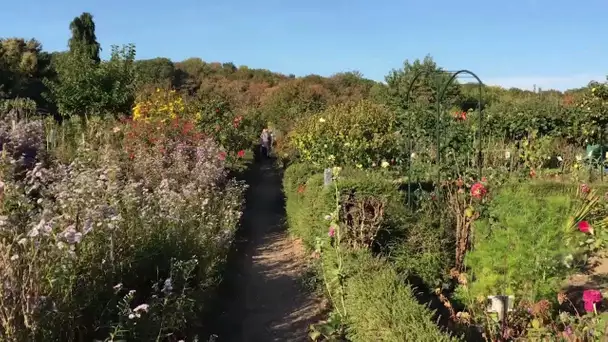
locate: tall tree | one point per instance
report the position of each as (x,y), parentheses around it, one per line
(23,65)
(83,36)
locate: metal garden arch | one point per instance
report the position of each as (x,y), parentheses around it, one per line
(441,93)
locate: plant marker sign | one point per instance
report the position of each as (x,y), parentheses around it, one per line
(500,305)
(327,177)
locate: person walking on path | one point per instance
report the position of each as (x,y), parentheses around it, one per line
(265,142)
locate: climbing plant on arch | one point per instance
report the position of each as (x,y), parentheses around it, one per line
(440,127)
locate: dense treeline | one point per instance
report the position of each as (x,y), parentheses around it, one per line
(78,82)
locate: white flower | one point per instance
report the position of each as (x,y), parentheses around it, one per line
(71,235)
(559,158)
(14,257)
(22,241)
(117,287)
(44,227)
(384,164)
(579,157)
(507,154)
(321,120)
(413,155)
(167,286)
(141,308)
(328,217)
(88,226)
(131,316)
(33,233)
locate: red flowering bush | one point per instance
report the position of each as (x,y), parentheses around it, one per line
(234,132)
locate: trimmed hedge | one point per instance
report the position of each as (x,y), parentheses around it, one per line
(380,305)
(382,308)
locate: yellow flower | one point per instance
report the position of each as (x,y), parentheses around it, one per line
(592,89)
(385,164)
(321,120)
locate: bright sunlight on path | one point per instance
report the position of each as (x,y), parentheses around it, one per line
(268,301)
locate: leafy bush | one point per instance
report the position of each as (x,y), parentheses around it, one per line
(348,134)
(425,248)
(371,205)
(85,88)
(369,295)
(300,205)
(381,308)
(520,248)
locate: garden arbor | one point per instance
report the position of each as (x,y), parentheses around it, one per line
(441,92)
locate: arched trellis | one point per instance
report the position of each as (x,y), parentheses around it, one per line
(441,93)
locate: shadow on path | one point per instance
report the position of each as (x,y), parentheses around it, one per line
(264,299)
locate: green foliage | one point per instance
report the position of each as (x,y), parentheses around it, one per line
(83,37)
(23,64)
(424,249)
(356,134)
(85,88)
(426,88)
(157,72)
(371,205)
(520,248)
(382,308)
(378,306)
(18,108)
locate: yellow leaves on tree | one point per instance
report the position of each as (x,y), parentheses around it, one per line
(160,105)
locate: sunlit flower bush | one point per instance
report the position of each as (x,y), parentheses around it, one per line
(361,134)
(160,105)
(120,241)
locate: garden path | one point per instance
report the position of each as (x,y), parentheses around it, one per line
(266,297)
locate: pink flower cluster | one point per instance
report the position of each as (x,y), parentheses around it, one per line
(478,190)
(591,297)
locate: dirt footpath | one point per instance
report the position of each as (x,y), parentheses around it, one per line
(267,301)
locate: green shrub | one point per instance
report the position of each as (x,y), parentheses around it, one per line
(381,308)
(361,134)
(371,205)
(520,248)
(425,250)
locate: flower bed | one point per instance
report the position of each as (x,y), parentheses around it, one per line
(121,238)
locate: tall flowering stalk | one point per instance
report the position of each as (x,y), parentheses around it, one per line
(335,284)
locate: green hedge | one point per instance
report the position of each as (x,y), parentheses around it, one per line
(380,306)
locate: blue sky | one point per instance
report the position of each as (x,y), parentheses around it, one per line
(550,43)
